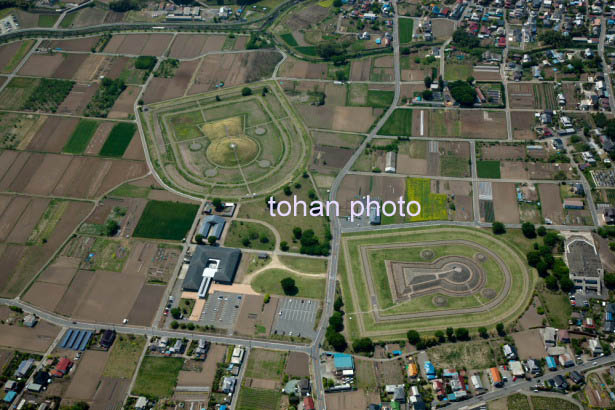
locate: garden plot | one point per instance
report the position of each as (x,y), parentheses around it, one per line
(551,201)
(30,339)
(53,135)
(502,152)
(53,65)
(78,99)
(357,399)
(123,107)
(532,95)
(194,45)
(87,377)
(12,53)
(77,44)
(294,68)
(505,202)
(17,129)
(459,123)
(160,89)
(139,44)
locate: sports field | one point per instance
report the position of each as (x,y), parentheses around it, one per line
(366,272)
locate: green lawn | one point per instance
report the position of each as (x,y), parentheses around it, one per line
(488,169)
(433,206)
(269,282)
(118,140)
(454,71)
(258,399)
(131,191)
(157,376)
(399,123)
(305,265)
(557,308)
(124,356)
(289,39)
(80,138)
(266,364)
(47,20)
(249,235)
(380,98)
(166,220)
(405,30)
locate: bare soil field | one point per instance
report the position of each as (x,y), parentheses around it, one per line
(7,51)
(70,65)
(45,295)
(335,139)
(194,45)
(121,171)
(569,91)
(11,215)
(15,168)
(139,44)
(111,392)
(77,44)
(32,339)
(521,95)
(250,316)
(205,377)
(360,70)
(48,174)
(354,119)
(442,28)
(298,365)
(233,69)
(390,372)
(351,186)
(522,124)
(529,344)
(75,292)
(135,150)
(160,89)
(78,99)
(514,170)
(484,75)
(503,152)
(88,70)
(9,259)
(86,378)
(28,220)
(83,177)
(460,123)
(531,318)
(464,208)
(295,68)
(99,138)
(146,305)
(505,202)
(61,271)
(41,65)
(305,17)
(552,207)
(413,75)
(6,160)
(53,135)
(330,158)
(123,107)
(357,399)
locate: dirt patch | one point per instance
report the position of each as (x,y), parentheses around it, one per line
(32,339)
(70,65)
(295,68)
(552,207)
(86,378)
(351,187)
(15,169)
(514,170)
(464,208)
(53,135)
(75,292)
(110,394)
(77,44)
(505,202)
(45,295)
(360,70)
(41,65)
(160,89)
(249,316)
(205,377)
(28,220)
(7,51)
(90,67)
(61,271)
(486,75)
(358,399)
(48,174)
(327,158)
(503,152)
(529,344)
(11,215)
(139,44)
(531,318)
(99,138)
(146,304)
(121,171)
(298,365)
(353,119)
(83,177)
(78,99)
(194,45)
(123,107)
(9,260)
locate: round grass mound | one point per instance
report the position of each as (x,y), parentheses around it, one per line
(232,151)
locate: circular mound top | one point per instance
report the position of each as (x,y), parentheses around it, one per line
(195,146)
(427,254)
(212,172)
(232,151)
(439,301)
(460,274)
(260,131)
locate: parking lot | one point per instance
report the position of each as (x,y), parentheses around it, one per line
(296,317)
(221,310)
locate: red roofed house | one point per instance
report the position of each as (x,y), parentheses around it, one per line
(308,403)
(62,367)
(502,42)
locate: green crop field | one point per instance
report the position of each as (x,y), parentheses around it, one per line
(380,98)
(433,206)
(258,399)
(290,40)
(118,140)
(307,50)
(269,282)
(48,95)
(80,138)
(124,356)
(488,169)
(157,376)
(405,30)
(47,20)
(166,220)
(399,123)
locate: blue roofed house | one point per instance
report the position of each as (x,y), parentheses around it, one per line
(430,370)
(212,225)
(24,367)
(551,364)
(10,396)
(344,363)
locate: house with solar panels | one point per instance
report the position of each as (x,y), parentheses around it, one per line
(76,339)
(210,264)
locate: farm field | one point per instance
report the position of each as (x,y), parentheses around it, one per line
(433,206)
(266,364)
(405,30)
(166,220)
(157,376)
(80,138)
(258,399)
(398,124)
(488,169)
(118,140)
(124,356)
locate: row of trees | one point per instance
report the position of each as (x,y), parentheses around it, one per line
(450,335)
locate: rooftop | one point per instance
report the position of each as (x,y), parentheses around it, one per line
(227,264)
(582,258)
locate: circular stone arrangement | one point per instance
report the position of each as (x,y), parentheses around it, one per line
(489,293)
(195,146)
(264,163)
(260,131)
(212,172)
(480,257)
(427,254)
(439,301)
(232,151)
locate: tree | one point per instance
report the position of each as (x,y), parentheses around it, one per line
(541,231)
(217,203)
(554,39)
(461,333)
(338,304)
(217,98)
(450,334)
(176,313)
(289,287)
(267,298)
(297,232)
(336,321)
(287,190)
(440,336)
(551,239)
(498,228)
(212,240)
(500,329)
(609,280)
(528,229)
(427,95)
(337,341)
(533,257)
(566,284)
(337,3)
(463,93)
(174,324)
(462,38)
(427,81)
(264,238)
(245,91)
(542,268)
(365,344)
(551,282)
(413,337)
(482,331)
(111,227)
(284,246)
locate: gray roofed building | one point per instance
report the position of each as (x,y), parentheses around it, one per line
(584,263)
(212,225)
(211,264)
